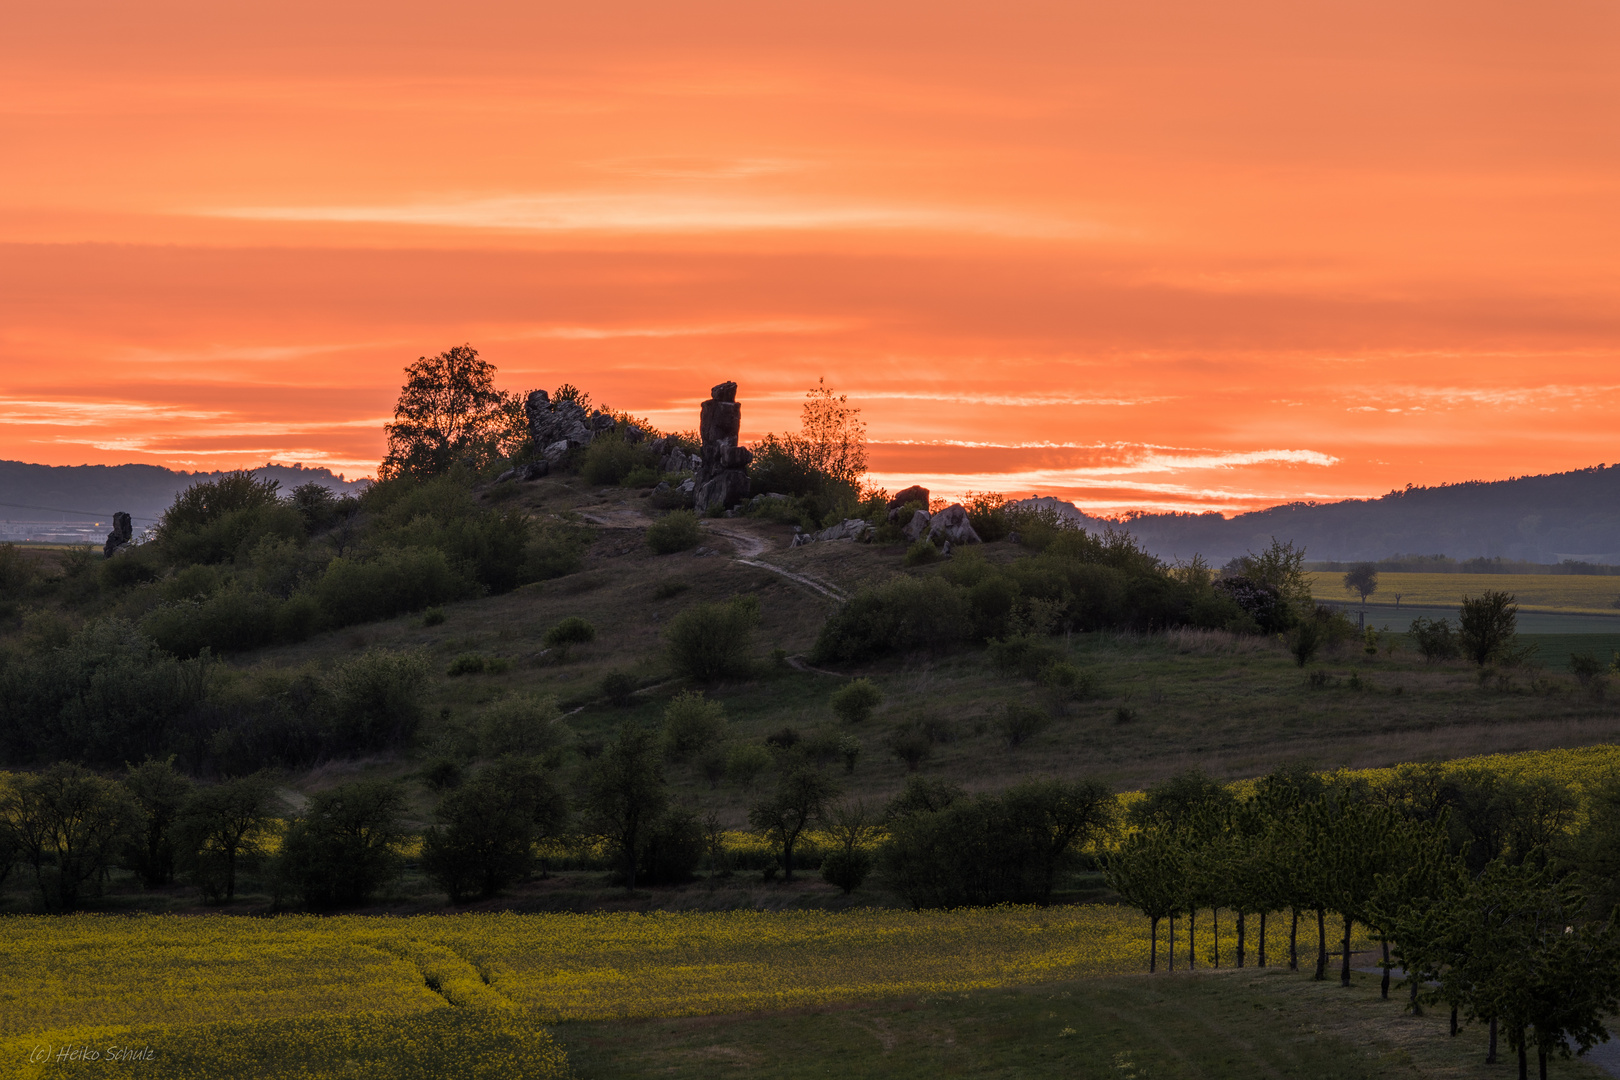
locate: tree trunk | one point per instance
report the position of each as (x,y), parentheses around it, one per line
(1384,991)
(787,860)
(1490,1049)
(1153,947)
(630,867)
(1293,940)
(1192,939)
(1241,943)
(1321,944)
(1262,947)
(1344,966)
(1172,943)
(1417,1006)
(1541,1062)
(1215,914)
(1524,1057)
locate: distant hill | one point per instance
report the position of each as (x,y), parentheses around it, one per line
(1538,519)
(66,502)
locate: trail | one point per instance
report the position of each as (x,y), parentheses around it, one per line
(750,545)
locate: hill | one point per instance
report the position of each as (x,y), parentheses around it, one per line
(1572,516)
(76,502)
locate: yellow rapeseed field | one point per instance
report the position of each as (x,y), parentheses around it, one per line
(1573,593)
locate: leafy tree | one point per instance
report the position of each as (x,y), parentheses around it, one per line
(801,796)
(709,642)
(159,791)
(488,828)
(1280,797)
(449,412)
(1434,639)
(851,824)
(691,723)
(222,827)
(625,794)
(1149,873)
(855,701)
(67,824)
(1362,578)
(827,455)
(1489,626)
(1281,567)
(345,844)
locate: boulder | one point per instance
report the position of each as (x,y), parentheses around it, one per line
(123,531)
(551,422)
(951,525)
(917,527)
(534,470)
(916,493)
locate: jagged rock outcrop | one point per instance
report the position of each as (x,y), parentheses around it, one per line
(949,525)
(123,531)
(558,426)
(671,458)
(534,470)
(848,529)
(722,475)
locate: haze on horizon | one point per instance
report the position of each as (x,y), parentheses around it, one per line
(1160,255)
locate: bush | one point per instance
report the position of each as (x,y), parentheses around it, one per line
(469,663)
(675,531)
(442,774)
(619,687)
(849,750)
(1435,640)
(377,700)
(69,825)
(1067,682)
(1017,723)
(988,514)
(609,459)
(1305,640)
(1022,654)
(229,621)
(345,845)
(525,725)
(846,869)
(554,550)
(691,724)
(912,745)
(745,762)
(568,633)
(1489,626)
(904,615)
(922,553)
(433,616)
(855,702)
(708,642)
(667,589)
(671,850)
(392,583)
(16,571)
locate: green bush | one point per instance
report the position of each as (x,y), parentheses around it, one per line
(667,589)
(231,620)
(708,642)
(922,553)
(525,725)
(568,633)
(470,663)
(609,459)
(745,762)
(1067,682)
(671,849)
(487,830)
(433,616)
(676,531)
(855,702)
(619,687)
(16,571)
(1435,640)
(692,723)
(377,700)
(846,869)
(904,615)
(1022,654)
(1018,723)
(389,584)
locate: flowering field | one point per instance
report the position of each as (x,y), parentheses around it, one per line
(1587,594)
(356,996)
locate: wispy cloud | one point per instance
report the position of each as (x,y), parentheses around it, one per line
(667,212)
(778,326)
(1025,400)
(1130,458)
(59,413)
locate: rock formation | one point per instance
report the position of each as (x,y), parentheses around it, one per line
(722,475)
(916,493)
(949,525)
(848,529)
(123,531)
(671,458)
(558,426)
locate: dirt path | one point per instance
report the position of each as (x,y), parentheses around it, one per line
(749,544)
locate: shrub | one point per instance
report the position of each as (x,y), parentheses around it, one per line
(846,869)
(675,531)
(902,615)
(691,724)
(345,845)
(1022,654)
(671,849)
(442,774)
(1017,723)
(849,749)
(1304,641)
(854,703)
(609,459)
(469,663)
(554,550)
(525,725)
(566,634)
(377,699)
(709,642)
(16,571)
(667,589)
(912,745)
(712,766)
(619,687)
(1489,626)
(231,620)
(1067,682)
(392,583)
(433,616)
(784,739)
(745,762)
(69,825)
(1434,639)
(922,553)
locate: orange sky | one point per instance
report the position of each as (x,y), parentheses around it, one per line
(1140,255)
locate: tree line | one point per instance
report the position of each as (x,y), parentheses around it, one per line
(1480,886)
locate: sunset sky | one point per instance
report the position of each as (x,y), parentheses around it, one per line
(1140,255)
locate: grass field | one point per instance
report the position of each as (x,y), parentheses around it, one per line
(1575,593)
